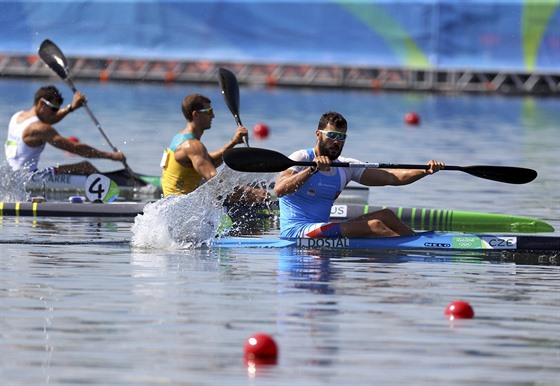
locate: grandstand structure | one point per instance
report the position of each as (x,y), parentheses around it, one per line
(291,75)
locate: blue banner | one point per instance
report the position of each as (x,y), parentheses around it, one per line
(522,35)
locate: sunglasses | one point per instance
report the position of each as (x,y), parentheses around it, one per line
(334,135)
(52,106)
(209,110)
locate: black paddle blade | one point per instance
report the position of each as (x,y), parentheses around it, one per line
(230,91)
(256,160)
(54,58)
(507,174)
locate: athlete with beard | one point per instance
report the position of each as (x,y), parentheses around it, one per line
(308,193)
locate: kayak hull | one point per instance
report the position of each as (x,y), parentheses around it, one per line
(427,241)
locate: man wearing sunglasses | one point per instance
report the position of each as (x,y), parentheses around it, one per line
(186,162)
(308,193)
(30,130)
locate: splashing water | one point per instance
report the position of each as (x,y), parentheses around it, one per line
(188,221)
(12,184)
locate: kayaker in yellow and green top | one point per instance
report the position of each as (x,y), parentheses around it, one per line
(186,162)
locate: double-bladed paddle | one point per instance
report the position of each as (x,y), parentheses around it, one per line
(55,59)
(230,91)
(269,161)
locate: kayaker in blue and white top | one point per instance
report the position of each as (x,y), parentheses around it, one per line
(307,194)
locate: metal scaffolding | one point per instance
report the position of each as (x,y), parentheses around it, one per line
(291,75)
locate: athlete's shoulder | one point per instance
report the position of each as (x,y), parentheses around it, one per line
(301,155)
(179,139)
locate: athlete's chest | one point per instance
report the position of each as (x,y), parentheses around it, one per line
(323,186)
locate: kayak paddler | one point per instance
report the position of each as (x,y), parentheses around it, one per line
(30,130)
(187,163)
(306,194)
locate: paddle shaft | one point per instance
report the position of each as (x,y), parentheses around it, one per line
(239,124)
(373,165)
(268,161)
(93,118)
(98,125)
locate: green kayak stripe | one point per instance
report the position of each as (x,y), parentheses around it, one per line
(431,223)
(460,221)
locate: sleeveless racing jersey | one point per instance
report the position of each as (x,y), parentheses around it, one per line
(312,203)
(176,179)
(18,154)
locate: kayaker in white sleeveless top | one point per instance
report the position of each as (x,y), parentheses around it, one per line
(30,130)
(18,154)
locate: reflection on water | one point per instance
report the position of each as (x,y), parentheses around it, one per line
(64,231)
(306,271)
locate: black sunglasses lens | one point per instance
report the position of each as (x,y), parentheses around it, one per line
(336,136)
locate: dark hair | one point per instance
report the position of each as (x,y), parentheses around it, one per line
(333,118)
(192,103)
(50,93)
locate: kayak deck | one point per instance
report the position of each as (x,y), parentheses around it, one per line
(416,218)
(67,209)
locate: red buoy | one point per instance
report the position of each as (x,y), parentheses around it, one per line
(412,119)
(261,131)
(459,309)
(260,346)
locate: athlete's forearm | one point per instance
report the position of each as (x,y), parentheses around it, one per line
(291,183)
(63,112)
(406,177)
(217,157)
(91,152)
